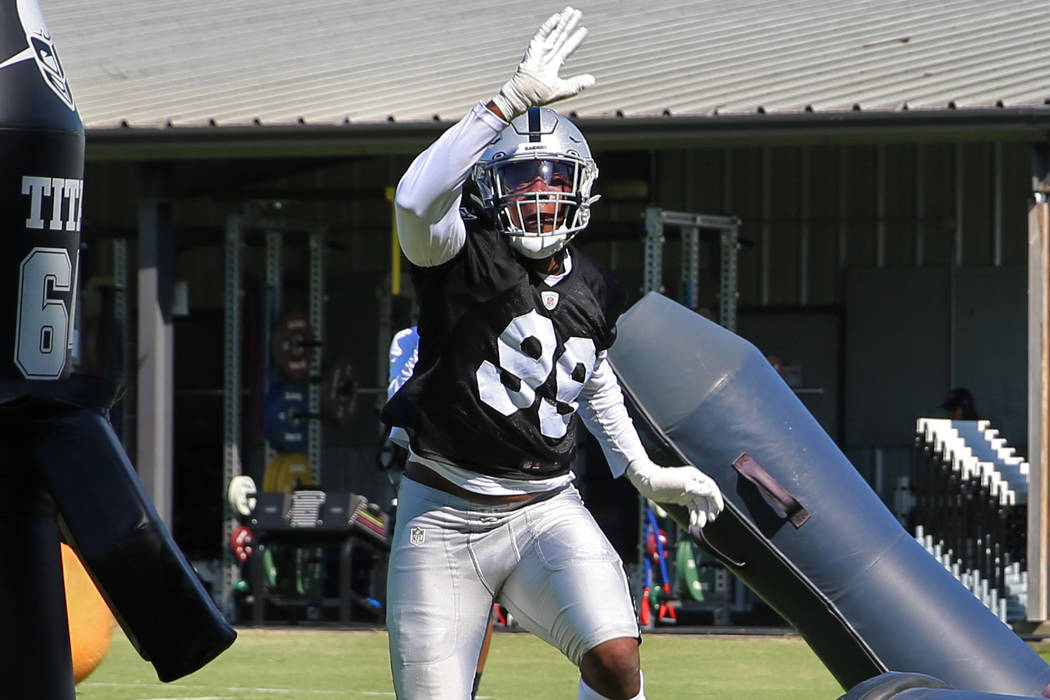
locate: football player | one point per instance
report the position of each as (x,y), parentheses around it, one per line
(514,328)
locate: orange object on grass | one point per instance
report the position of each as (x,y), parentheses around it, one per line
(90,620)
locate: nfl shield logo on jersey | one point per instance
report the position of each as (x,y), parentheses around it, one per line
(417,535)
(550,300)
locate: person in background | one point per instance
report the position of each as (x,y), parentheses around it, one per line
(404,351)
(959,404)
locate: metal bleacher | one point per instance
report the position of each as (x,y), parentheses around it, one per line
(968,508)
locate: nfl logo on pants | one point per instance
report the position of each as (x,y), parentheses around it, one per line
(417,535)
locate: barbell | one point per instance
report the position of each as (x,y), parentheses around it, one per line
(294,345)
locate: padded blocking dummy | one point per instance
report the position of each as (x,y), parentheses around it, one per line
(35,658)
(41,188)
(152,590)
(815,542)
(41,142)
(59,458)
(915,686)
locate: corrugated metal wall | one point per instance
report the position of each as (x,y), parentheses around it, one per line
(809,212)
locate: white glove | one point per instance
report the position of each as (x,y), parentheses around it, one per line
(686,486)
(536,81)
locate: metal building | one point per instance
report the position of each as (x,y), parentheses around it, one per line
(885,161)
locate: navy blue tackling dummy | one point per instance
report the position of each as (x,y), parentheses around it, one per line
(59,457)
(803,529)
(515,325)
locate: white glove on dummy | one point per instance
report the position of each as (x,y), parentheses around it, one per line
(686,486)
(536,81)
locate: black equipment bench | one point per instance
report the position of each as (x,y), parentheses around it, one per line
(310,518)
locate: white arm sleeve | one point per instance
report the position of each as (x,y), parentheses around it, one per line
(605,415)
(429,226)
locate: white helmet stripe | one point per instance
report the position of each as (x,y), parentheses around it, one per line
(540,134)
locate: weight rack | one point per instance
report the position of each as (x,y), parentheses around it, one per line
(232,463)
(274,235)
(656,220)
(274,230)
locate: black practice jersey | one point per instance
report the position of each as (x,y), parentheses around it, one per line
(503,358)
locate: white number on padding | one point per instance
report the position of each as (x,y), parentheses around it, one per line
(42,334)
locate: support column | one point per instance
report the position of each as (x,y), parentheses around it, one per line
(314,441)
(652,271)
(690,274)
(126,420)
(1038,386)
(232,413)
(273,308)
(155,356)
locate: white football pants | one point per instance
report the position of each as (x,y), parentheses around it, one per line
(546,560)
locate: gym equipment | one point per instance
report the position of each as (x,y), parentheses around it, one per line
(295,345)
(299,525)
(241,495)
(241,543)
(291,348)
(688,575)
(286,406)
(656,596)
(370,520)
(286,472)
(285,416)
(338,392)
(689,225)
(862,592)
(314,509)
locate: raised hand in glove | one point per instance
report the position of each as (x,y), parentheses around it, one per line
(536,82)
(686,486)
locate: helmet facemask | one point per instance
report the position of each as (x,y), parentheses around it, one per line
(535,180)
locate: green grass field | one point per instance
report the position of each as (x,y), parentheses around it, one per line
(311,663)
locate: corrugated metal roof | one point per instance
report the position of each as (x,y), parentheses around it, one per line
(154,63)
